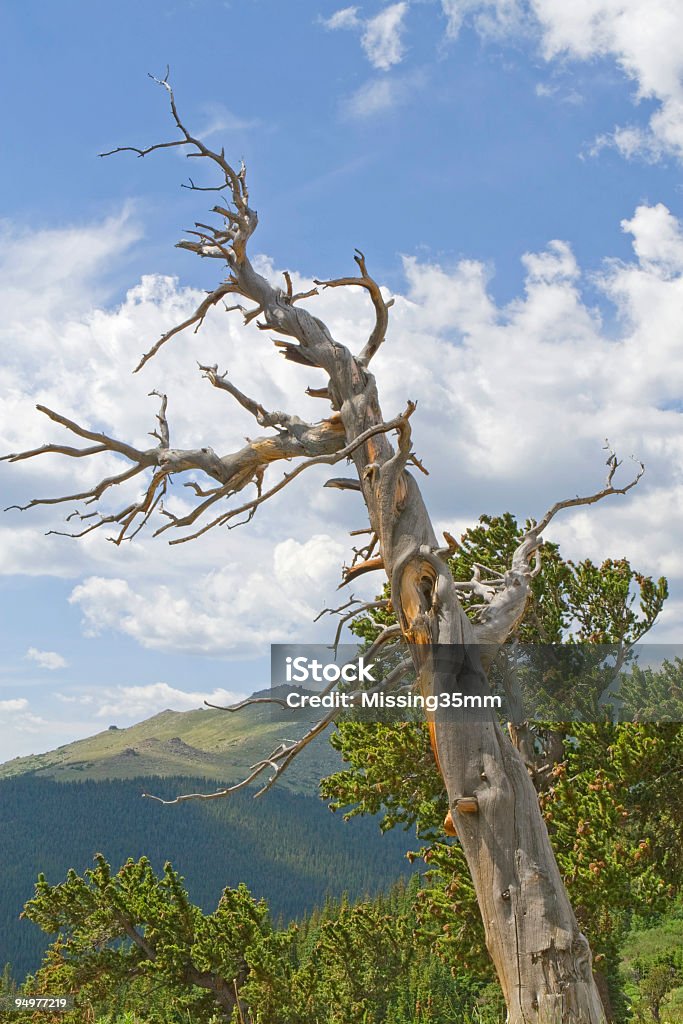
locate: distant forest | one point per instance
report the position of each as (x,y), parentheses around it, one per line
(286,847)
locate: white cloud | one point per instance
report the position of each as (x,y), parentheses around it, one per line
(234,610)
(139,702)
(642,37)
(17,718)
(514,403)
(347,17)
(381,36)
(16,704)
(46,659)
(657,240)
(490,17)
(68,263)
(381,39)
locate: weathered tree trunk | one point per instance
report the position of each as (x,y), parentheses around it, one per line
(542,959)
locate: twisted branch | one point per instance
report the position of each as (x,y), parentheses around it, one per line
(504,595)
(381,307)
(294,439)
(283,755)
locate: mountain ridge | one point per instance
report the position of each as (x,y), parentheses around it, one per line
(205,742)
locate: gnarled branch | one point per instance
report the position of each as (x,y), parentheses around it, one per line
(233,472)
(283,755)
(381,307)
(505,595)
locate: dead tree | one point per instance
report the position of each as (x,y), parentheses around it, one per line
(542,959)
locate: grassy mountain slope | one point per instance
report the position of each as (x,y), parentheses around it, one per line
(204,743)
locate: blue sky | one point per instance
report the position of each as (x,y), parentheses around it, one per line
(512,170)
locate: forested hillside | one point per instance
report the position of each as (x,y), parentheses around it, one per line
(286,847)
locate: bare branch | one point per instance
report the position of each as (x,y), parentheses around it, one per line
(163,434)
(230,243)
(249,507)
(343,484)
(359,569)
(337,611)
(364,553)
(505,595)
(197,318)
(381,307)
(233,472)
(55,449)
(362,607)
(262,417)
(87,496)
(283,755)
(590,499)
(319,393)
(388,636)
(248,703)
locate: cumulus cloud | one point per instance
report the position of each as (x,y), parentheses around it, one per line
(514,403)
(233,610)
(68,262)
(380,37)
(17,717)
(643,38)
(141,701)
(46,659)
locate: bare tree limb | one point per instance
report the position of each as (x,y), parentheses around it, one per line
(249,507)
(197,318)
(262,417)
(505,595)
(359,568)
(294,439)
(283,755)
(381,307)
(248,703)
(607,490)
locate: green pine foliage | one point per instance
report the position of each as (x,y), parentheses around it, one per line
(611,794)
(131,946)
